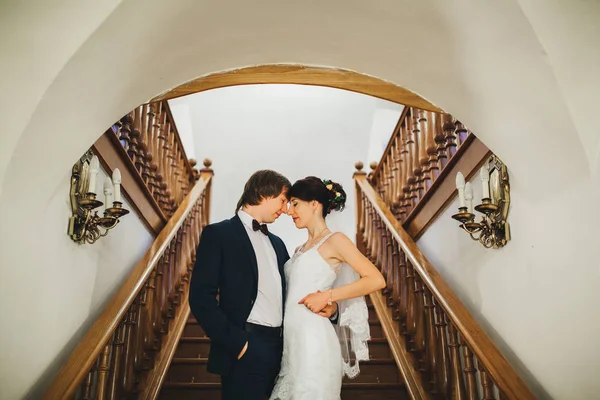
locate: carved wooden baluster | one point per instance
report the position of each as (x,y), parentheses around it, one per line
(486,383)
(432,150)
(134,134)
(177,178)
(368,225)
(149,336)
(431,339)
(142,126)
(114,388)
(185,176)
(390,268)
(411,321)
(128,382)
(373,238)
(395,170)
(154,149)
(146,350)
(157,326)
(384,265)
(470,372)
(443,358)
(161,153)
(362,221)
(419,339)
(414,171)
(176,172)
(125,131)
(167,173)
(142,162)
(384,181)
(164,290)
(140,362)
(404,172)
(86,387)
(103,370)
(403,289)
(390,179)
(457,383)
(183,258)
(417,171)
(147,143)
(397,279)
(440,141)
(397,174)
(461,132)
(449,132)
(421,125)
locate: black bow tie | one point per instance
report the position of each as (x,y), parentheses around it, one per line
(256,226)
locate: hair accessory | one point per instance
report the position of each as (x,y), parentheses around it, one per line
(336,199)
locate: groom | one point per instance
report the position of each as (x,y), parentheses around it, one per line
(237,290)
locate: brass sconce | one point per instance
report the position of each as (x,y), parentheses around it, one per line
(493,230)
(85,225)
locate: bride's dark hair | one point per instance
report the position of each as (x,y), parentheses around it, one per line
(330,194)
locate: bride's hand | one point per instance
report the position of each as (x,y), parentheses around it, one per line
(315,302)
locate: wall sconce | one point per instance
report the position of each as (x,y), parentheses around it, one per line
(85,225)
(493,230)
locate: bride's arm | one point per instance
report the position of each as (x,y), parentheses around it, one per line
(370,277)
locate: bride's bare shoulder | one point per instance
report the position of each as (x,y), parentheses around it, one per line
(340,240)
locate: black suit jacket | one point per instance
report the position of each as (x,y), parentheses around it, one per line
(226,265)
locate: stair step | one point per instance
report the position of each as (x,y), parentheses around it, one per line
(192,370)
(199,347)
(193,329)
(350,391)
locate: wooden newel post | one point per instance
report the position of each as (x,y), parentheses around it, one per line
(359,174)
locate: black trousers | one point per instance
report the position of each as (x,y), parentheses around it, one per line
(253,376)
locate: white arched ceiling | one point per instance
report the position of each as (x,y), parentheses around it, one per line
(70,69)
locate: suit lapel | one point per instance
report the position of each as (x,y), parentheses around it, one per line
(240,230)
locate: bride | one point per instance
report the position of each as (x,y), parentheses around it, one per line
(327,268)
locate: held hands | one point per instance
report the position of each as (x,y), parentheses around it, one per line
(318,303)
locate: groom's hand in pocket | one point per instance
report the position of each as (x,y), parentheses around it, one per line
(243,351)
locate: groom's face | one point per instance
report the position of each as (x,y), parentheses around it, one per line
(271,208)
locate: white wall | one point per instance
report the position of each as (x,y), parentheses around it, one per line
(537,296)
(293,129)
(384,122)
(521,74)
(54,289)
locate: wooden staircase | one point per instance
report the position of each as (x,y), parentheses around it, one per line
(187,377)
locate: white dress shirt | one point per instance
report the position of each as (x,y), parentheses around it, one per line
(267,309)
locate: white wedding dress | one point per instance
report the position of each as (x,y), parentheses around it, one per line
(317,353)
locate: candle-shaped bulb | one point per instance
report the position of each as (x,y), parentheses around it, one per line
(94,168)
(108,192)
(116,178)
(469,196)
(485,180)
(460,185)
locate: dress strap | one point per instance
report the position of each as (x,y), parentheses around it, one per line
(324,240)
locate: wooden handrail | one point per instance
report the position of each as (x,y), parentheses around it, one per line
(495,365)
(84,356)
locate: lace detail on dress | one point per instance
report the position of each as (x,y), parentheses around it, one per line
(354,320)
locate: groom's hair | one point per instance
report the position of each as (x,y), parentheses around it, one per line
(263,184)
